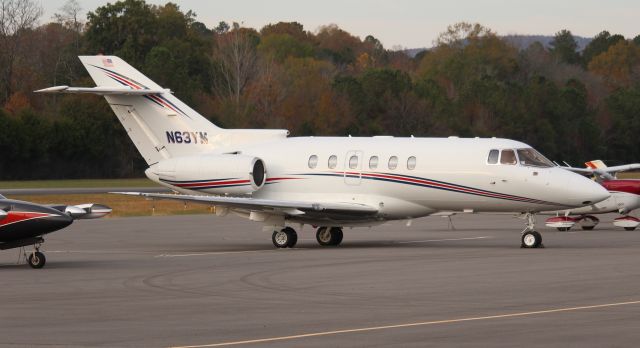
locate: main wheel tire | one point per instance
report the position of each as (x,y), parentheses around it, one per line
(293,236)
(591,221)
(324,236)
(280,239)
(336,235)
(629,228)
(531,239)
(36,260)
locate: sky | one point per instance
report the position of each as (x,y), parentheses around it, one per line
(412,23)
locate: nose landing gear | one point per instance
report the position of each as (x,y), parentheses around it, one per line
(36,259)
(530,237)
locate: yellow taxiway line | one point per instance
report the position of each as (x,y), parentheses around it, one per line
(423,323)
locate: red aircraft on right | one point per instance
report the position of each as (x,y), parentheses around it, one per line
(625,197)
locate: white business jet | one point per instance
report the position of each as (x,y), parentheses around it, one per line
(326,182)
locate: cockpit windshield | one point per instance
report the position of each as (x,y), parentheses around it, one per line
(508,157)
(532,158)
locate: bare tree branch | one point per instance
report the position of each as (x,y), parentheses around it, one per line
(16,16)
(236,57)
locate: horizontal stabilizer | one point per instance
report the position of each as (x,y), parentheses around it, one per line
(103,90)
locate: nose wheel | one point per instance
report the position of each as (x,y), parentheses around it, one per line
(530,237)
(36,259)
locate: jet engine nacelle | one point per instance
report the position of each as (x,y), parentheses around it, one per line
(217,174)
(84,211)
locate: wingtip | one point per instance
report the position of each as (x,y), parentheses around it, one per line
(128,193)
(54,89)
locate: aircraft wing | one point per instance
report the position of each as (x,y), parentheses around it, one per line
(622,168)
(257,204)
(606,172)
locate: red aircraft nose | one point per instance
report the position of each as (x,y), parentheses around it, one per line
(623,185)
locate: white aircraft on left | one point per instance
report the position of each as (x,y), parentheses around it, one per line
(328,182)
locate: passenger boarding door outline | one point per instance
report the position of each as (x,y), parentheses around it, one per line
(353,167)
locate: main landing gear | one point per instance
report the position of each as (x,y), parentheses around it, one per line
(329,236)
(285,238)
(530,237)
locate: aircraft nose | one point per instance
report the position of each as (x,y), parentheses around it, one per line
(59,221)
(583,191)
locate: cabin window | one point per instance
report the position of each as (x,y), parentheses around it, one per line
(373,162)
(532,158)
(508,157)
(411,163)
(393,162)
(313,161)
(353,162)
(493,157)
(333,161)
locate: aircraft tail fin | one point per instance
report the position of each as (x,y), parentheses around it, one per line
(596,164)
(159,124)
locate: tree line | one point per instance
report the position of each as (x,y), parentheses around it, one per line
(572,105)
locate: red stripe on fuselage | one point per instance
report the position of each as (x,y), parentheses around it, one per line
(437,184)
(19,216)
(212,183)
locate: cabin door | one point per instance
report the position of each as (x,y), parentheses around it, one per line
(353,167)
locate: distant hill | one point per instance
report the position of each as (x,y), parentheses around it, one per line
(523,41)
(519,41)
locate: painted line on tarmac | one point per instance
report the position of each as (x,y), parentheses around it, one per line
(213,253)
(98,252)
(443,240)
(160,255)
(424,323)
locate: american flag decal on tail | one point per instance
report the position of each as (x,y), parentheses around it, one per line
(107,62)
